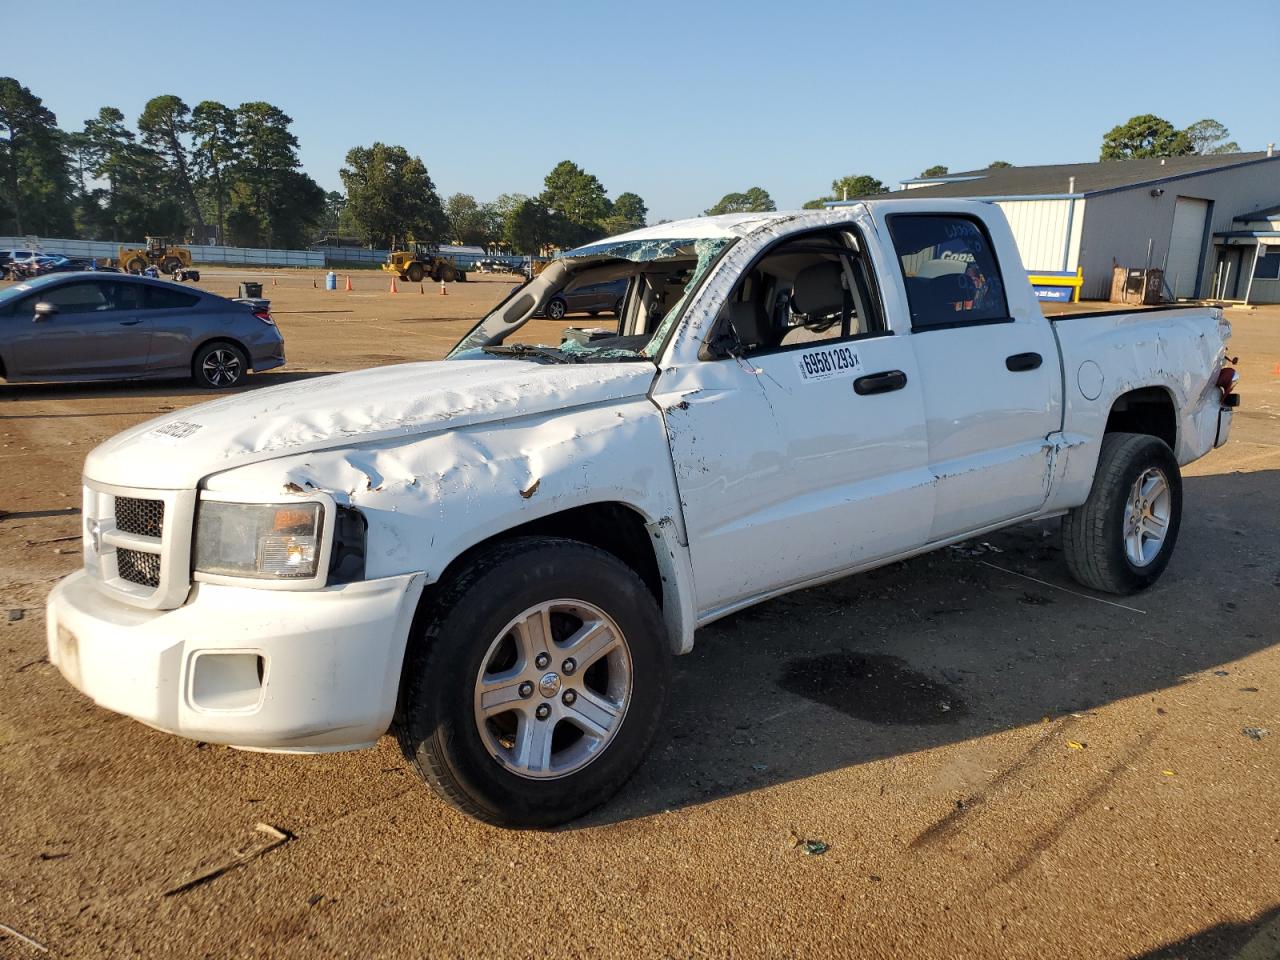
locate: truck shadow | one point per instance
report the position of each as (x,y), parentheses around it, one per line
(953,646)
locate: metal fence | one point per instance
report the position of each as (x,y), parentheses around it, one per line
(242,256)
(247,256)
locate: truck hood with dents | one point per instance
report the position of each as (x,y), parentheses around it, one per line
(176,452)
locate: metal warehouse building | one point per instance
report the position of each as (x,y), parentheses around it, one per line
(1211,222)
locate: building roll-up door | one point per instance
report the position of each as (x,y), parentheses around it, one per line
(1185,245)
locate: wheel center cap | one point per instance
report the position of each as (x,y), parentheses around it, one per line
(549,685)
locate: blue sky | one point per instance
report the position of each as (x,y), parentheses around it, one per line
(680,102)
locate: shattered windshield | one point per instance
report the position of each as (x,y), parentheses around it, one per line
(607,301)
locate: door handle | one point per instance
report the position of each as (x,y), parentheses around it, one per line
(880,382)
(129,323)
(1023,361)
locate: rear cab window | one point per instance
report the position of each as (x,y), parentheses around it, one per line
(949,269)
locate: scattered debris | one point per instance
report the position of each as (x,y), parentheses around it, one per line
(32,663)
(759,767)
(16,615)
(314,899)
(530,490)
(1168,773)
(975,549)
(42,543)
(53,856)
(4,927)
(292,487)
(1255,733)
(239,858)
(1221,673)
(1034,599)
(1076,745)
(1247,690)
(814,848)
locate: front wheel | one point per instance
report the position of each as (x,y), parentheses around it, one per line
(556,309)
(1123,536)
(537,685)
(414,273)
(219,365)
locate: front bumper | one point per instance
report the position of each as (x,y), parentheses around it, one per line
(290,671)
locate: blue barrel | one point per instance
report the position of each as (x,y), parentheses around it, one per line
(331,281)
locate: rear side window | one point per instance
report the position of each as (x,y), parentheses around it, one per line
(949,269)
(160,298)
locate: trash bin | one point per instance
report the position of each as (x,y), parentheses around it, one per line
(250,291)
(331,281)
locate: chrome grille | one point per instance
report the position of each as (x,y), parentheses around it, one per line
(138,567)
(144,517)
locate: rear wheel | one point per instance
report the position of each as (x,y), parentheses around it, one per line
(556,309)
(414,274)
(219,365)
(1123,536)
(135,265)
(537,684)
(171,265)
(448,273)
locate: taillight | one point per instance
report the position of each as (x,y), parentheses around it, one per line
(1228,377)
(264,316)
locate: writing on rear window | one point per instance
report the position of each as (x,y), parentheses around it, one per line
(828,362)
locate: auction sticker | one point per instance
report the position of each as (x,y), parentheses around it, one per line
(828,363)
(175,430)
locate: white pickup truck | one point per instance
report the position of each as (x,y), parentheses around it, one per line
(496,555)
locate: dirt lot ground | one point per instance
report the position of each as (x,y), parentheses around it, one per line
(1000,766)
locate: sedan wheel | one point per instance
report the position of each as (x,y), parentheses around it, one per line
(556,309)
(220,365)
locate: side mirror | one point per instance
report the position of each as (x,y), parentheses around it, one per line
(44,311)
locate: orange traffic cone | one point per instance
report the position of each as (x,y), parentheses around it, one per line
(393,285)
(444,291)
(273,282)
(348,284)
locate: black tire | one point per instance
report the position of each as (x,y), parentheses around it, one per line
(135,265)
(436,723)
(1093,535)
(219,365)
(435,274)
(449,273)
(414,274)
(171,265)
(556,309)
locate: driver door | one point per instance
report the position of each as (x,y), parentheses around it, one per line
(805,454)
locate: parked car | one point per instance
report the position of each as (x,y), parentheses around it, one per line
(496,554)
(112,326)
(592,299)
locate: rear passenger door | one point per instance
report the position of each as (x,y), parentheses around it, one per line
(990,375)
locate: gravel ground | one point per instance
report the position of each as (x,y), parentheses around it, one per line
(941,758)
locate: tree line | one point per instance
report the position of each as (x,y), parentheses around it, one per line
(232,174)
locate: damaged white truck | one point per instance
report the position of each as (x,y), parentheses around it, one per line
(496,555)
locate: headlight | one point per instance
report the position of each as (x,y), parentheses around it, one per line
(266,541)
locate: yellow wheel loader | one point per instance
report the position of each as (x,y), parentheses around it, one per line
(421,261)
(159,253)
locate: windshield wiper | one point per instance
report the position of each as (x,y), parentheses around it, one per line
(528,350)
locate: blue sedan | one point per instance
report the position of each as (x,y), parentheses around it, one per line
(105,326)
